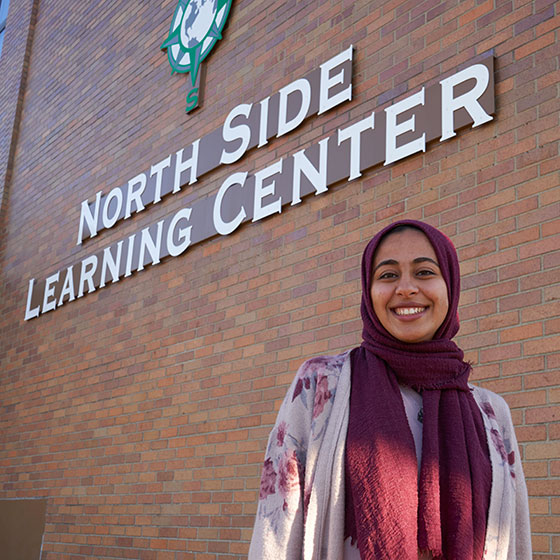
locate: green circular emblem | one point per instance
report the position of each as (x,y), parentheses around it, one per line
(194,30)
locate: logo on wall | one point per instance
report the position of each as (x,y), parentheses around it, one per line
(195,28)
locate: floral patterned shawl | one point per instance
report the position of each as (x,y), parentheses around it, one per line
(301,509)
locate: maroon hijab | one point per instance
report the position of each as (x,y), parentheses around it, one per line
(392,510)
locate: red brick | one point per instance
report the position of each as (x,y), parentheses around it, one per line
(544,346)
(499,290)
(521,333)
(542,414)
(499,321)
(519,238)
(527,365)
(505,385)
(503,352)
(534,46)
(498,259)
(476,13)
(519,301)
(530,433)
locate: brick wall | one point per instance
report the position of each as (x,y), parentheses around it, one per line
(140,412)
(14,64)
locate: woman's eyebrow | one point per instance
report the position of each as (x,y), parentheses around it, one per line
(424,259)
(386,262)
(417,260)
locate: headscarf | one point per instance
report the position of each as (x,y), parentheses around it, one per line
(392,510)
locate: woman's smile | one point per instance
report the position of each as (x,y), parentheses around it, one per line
(408,311)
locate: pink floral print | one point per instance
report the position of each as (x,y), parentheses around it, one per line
(268,480)
(488,410)
(281,434)
(498,443)
(322,395)
(288,473)
(502,447)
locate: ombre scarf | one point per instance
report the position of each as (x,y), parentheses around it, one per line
(392,510)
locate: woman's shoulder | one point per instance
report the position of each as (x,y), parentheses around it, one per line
(493,405)
(322,364)
(322,375)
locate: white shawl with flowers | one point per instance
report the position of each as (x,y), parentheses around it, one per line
(300,513)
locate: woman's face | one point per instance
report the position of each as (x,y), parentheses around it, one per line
(408,292)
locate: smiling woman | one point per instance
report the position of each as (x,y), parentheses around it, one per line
(386,451)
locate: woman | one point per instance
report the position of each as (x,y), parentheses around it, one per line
(386,452)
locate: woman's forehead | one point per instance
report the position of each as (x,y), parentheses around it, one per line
(404,246)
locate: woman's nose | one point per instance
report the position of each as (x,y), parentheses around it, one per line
(407,286)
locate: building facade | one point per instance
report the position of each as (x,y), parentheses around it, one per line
(174,245)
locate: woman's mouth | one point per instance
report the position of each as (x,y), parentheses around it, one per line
(408,311)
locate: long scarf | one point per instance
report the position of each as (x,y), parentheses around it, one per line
(392,510)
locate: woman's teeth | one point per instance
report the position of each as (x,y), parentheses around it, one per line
(409,310)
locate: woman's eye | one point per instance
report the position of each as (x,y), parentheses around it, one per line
(425,272)
(387,275)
